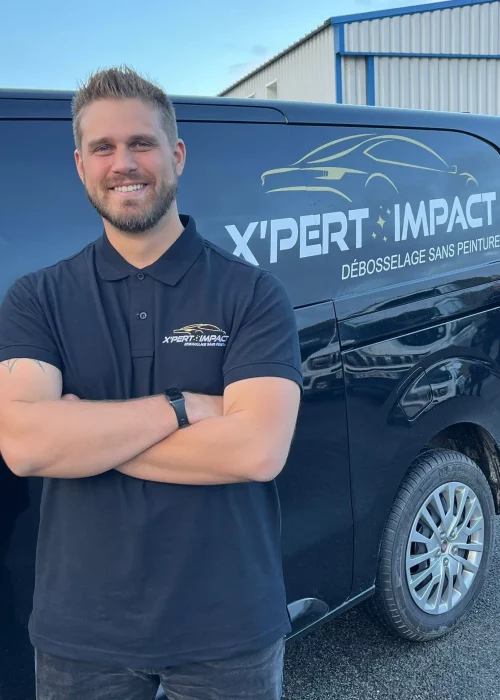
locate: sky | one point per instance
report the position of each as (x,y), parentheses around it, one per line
(189,47)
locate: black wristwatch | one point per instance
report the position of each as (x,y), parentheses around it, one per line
(176,399)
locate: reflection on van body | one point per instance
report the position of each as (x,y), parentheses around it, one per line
(322,370)
(385,234)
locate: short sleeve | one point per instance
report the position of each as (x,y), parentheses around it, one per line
(24,331)
(266,344)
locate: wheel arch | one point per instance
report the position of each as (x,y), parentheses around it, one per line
(477,443)
(467,424)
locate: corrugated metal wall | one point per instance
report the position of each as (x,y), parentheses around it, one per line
(305,73)
(354,80)
(474,29)
(308,71)
(457,84)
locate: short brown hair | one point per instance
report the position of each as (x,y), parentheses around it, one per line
(118,83)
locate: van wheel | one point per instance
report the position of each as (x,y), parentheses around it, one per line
(436,548)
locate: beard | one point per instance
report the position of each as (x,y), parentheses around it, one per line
(139,222)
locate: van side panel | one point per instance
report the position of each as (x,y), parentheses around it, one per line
(315,485)
(19,508)
(402,393)
(419,319)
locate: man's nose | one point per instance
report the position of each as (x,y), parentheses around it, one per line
(123,160)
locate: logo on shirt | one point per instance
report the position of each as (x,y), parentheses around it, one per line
(199,335)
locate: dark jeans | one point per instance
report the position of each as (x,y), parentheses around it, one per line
(256,676)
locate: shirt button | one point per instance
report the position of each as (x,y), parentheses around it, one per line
(143,315)
(140,276)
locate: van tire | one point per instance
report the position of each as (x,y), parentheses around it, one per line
(393,604)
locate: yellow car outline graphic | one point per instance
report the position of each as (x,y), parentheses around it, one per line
(199,329)
(330,152)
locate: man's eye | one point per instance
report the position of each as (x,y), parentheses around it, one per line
(100,148)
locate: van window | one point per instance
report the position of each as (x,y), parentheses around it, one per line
(336,211)
(44,213)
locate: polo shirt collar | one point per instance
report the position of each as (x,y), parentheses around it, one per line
(170,268)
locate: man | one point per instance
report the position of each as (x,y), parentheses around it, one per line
(158,556)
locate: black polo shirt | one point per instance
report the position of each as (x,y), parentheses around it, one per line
(137,572)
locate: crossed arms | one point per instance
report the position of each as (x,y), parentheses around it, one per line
(243,436)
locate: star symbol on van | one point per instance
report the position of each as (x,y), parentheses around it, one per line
(374,235)
(381,222)
(388,211)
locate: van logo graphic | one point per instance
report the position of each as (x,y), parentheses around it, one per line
(199,329)
(198,335)
(380,190)
(330,161)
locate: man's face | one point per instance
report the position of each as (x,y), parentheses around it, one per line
(124,145)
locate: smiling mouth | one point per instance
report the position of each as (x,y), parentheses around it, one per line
(129,189)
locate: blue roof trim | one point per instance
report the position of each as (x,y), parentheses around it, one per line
(410,10)
(394,54)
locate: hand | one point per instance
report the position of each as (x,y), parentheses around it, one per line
(201,406)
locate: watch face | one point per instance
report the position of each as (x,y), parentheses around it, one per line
(174,394)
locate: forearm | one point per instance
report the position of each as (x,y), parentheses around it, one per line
(66,439)
(219,450)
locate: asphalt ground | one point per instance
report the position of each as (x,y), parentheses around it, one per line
(352,658)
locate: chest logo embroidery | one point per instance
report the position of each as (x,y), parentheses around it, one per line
(199,335)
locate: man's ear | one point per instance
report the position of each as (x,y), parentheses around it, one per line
(179,157)
(79,165)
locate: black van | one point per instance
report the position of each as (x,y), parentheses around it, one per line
(385,227)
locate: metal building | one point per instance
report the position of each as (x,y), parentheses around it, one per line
(441,55)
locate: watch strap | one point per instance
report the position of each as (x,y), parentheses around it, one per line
(178,403)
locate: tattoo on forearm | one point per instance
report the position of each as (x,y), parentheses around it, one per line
(9,364)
